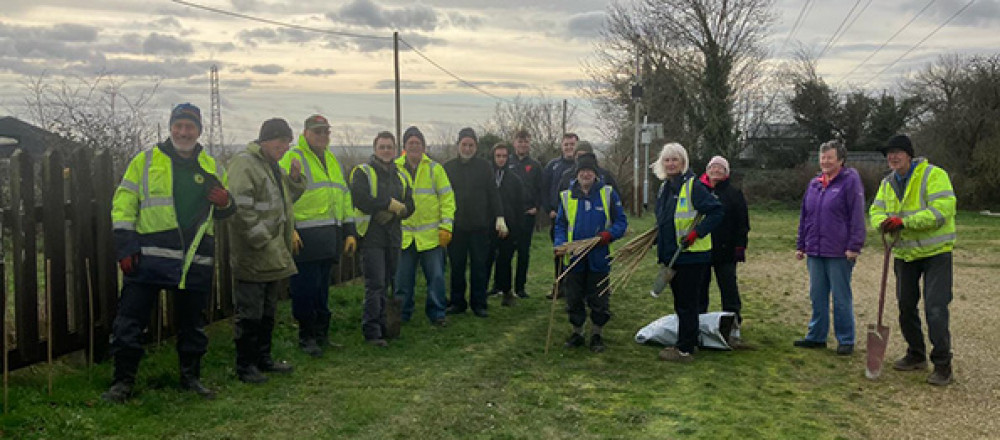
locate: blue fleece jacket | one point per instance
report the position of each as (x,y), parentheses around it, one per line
(591,220)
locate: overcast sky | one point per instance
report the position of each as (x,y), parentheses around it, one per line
(507,48)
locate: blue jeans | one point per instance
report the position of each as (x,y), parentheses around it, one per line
(826,275)
(432,262)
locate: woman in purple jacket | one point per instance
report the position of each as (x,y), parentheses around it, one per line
(831,234)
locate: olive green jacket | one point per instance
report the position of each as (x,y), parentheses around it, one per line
(260,233)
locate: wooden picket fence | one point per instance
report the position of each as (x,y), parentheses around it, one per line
(59,215)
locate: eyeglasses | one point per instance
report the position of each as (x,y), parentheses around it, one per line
(321,131)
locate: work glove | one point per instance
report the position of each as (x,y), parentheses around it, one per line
(501,227)
(397,207)
(741,254)
(129,264)
(689,239)
(218,196)
(444,237)
(296,242)
(295,170)
(384,217)
(606,237)
(350,245)
(891,224)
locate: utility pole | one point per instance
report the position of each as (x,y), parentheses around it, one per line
(399,123)
(636,98)
(215,124)
(564,117)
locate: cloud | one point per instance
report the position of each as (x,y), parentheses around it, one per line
(316,72)
(496,84)
(267,69)
(464,21)
(388,84)
(256,36)
(167,69)
(219,47)
(585,25)
(159,44)
(980,14)
(63,32)
(370,14)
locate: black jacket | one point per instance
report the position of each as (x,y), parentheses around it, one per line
(477,201)
(513,197)
(732,232)
(550,182)
(389,186)
(530,172)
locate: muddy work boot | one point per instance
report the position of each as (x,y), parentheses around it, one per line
(910,363)
(574,340)
(118,393)
(941,375)
(509,300)
(191,378)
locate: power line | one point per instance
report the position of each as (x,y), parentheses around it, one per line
(344,34)
(833,37)
(795,27)
(281,24)
(458,78)
(872,55)
(919,43)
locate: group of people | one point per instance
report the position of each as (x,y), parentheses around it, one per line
(292,211)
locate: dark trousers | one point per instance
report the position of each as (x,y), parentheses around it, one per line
(310,292)
(379,267)
(725,277)
(938,277)
(499,259)
(583,289)
(469,248)
(256,304)
(686,284)
(522,245)
(134,310)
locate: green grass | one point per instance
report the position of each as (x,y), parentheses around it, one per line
(487,378)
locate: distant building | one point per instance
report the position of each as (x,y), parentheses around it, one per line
(777,145)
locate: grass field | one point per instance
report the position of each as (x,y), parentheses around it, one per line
(490,379)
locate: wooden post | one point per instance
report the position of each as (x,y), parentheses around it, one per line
(54,238)
(48,319)
(22,192)
(90,319)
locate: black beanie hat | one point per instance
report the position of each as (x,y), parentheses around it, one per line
(413,131)
(274,128)
(187,111)
(586,161)
(898,142)
(467,132)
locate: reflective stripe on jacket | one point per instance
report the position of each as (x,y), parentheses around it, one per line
(927,210)
(361,218)
(583,216)
(434,203)
(684,216)
(327,200)
(145,223)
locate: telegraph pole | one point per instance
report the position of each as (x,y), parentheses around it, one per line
(399,123)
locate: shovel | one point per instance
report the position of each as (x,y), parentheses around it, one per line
(878,334)
(667,272)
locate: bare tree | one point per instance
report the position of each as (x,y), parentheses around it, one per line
(541,116)
(99,112)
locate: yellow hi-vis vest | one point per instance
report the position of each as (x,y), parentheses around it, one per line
(570,206)
(927,210)
(684,215)
(361,218)
(434,204)
(327,200)
(144,203)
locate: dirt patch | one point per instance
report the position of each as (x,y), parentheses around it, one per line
(907,406)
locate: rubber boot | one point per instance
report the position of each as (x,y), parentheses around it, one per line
(307,338)
(265,362)
(248,351)
(190,367)
(323,330)
(126,367)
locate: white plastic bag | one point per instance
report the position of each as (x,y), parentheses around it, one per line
(715,330)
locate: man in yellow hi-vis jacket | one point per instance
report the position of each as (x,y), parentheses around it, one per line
(324,217)
(162,213)
(917,201)
(427,232)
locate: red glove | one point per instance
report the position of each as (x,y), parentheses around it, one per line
(891,224)
(605,237)
(129,264)
(689,239)
(740,254)
(218,196)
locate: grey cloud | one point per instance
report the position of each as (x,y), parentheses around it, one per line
(267,69)
(219,47)
(464,21)
(167,69)
(165,23)
(381,121)
(159,44)
(388,84)
(370,14)
(585,25)
(984,13)
(501,84)
(256,36)
(316,72)
(62,32)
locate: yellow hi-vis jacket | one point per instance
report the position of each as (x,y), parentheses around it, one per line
(927,209)
(684,216)
(327,200)
(361,219)
(145,223)
(434,204)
